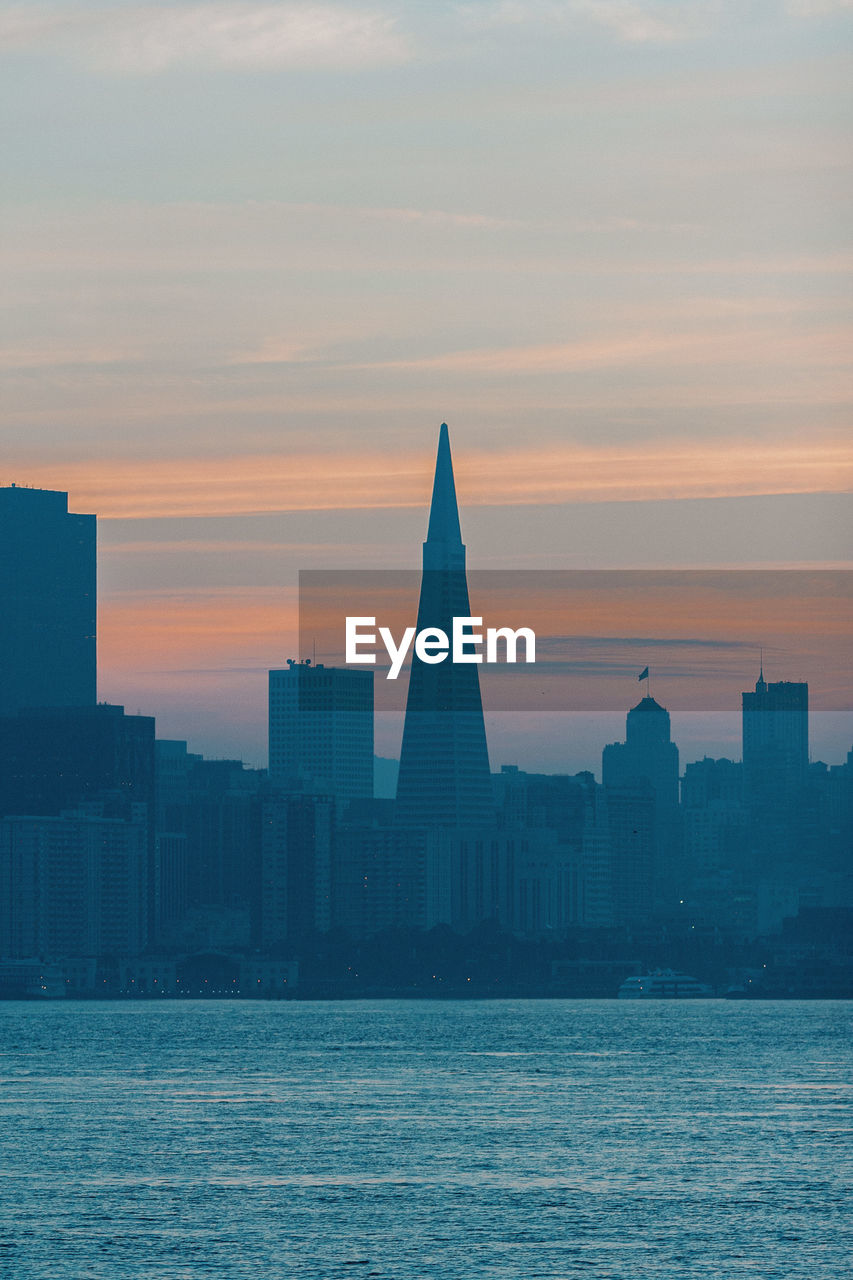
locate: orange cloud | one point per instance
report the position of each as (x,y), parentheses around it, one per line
(558,473)
(196,630)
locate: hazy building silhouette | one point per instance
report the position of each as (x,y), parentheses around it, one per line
(775,776)
(775,740)
(444,778)
(390,877)
(51,758)
(223,835)
(295,884)
(645,763)
(633,832)
(715,819)
(47,602)
(321,730)
(74,884)
(57,758)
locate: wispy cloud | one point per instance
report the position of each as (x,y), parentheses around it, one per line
(633,21)
(51,357)
(818,8)
(556,474)
(146,39)
(674,347)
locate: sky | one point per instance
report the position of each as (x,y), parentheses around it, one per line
(254,253)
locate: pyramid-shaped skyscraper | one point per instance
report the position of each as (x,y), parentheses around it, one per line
(444,778)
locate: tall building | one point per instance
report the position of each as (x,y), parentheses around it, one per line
(775,780)
(775,740)
(444,778)
(47,602)
(321,730)
(643,767)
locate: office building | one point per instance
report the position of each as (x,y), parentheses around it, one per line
(321,730)
(47,602)
(775,740)
(74,884)
(645,765)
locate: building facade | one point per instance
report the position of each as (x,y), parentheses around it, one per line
(321,730)
(48,602)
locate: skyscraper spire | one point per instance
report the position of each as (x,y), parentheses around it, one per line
(444,775)
(444,531)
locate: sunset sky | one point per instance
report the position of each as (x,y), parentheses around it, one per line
(254,253)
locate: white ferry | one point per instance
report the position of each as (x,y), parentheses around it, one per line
(663,984)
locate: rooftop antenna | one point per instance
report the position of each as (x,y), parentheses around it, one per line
(761,685)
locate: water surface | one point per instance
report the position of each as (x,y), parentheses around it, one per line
(503,1139)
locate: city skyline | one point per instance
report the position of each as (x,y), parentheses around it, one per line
(325,949)
(609,242)
(571,736)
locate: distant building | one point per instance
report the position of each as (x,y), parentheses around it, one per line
(53,757)
(321,730)
(775,740)
(57,758)
(223,821)
(646,763)
(390,877)
(525,879)
(632,830)
(73,885)
(647,754)
(444,778)
(716,833)
(295,882)
(48,602)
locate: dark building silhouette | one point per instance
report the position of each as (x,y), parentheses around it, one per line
(775,778)
(294,897)
(321,730)
(648,753)
(208,840)
(715,820)
(444,778)
(388,877)
(74,884)
(223,834)
(54,759)
(632,829)
(775,740)
(47,602)
(646,763)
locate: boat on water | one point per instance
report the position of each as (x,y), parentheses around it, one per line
(663,984)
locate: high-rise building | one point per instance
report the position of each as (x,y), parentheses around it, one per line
(444,778)
(775,740)
(47,602)
(321,730)
(644,765)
